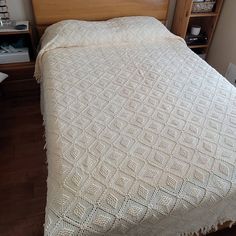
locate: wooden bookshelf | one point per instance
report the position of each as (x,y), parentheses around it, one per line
(184,19)
(20,81)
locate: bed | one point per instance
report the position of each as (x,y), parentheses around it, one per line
(140,132)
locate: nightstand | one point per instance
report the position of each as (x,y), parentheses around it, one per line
(185,18)
(20,81)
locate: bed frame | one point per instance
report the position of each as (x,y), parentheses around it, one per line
(48,12)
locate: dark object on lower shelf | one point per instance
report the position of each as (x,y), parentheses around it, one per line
(201,52)
(196,39)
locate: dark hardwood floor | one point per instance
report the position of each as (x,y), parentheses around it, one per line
(23,169)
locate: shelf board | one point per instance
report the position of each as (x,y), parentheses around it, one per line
(198,46)
(18,64)
(14,32)
(203,14)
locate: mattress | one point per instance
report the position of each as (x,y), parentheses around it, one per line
(140,132)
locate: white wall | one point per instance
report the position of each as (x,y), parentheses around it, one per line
(20,9)
(223,48)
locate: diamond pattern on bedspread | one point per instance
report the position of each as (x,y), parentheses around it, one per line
(143,132)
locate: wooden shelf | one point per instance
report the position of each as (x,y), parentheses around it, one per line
(19,70)
(203,14)
(14,32)
(184,19)
(29,40)
(20,79)
(15,65)
(198,46)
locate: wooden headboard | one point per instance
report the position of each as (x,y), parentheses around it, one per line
(48,12)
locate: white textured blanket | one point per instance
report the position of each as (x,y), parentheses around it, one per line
(140,132)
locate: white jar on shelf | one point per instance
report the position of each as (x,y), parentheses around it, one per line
(195,30)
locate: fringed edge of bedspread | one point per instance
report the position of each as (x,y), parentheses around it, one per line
(210,229)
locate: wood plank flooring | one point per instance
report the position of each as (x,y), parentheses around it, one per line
(23,169)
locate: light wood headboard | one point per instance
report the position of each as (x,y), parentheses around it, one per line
(48,12)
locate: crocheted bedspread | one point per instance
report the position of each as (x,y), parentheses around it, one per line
(140,132)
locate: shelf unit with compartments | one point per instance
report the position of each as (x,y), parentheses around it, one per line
(20,81)
(184,19)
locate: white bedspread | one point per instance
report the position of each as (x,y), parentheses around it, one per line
(141,134)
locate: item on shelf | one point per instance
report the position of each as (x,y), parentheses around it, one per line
(3,3)
(6,25)
(203,7)
(2,76)
(201,52)
(200,39)
(4,14)
(5,22)
(21,27)
(12,25)
(9,54)
(195,30)
(3,9)
(202,55)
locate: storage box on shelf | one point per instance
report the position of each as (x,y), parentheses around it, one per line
(205,14)
(20,81)
(203,6)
